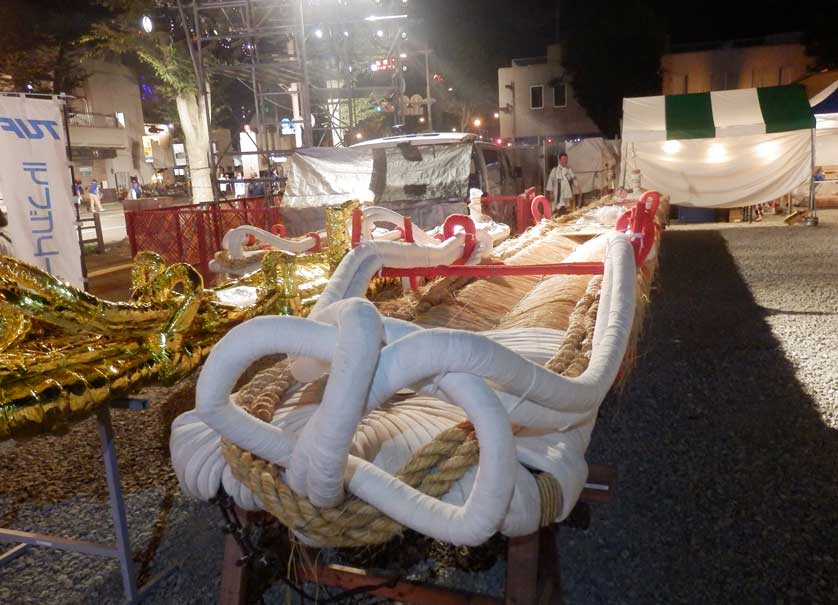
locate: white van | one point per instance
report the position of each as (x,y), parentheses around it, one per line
(424,176)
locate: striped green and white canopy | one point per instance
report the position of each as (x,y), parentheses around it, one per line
(725,113)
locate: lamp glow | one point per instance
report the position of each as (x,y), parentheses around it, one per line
(477,122)
(769,150)
(716,153)
(147,23)
(672,147)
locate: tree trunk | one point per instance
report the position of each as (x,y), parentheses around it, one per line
(193,121)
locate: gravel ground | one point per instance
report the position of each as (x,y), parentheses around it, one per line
(725,440)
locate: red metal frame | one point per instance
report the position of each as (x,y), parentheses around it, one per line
(496,270)
(523,207)
(638,223)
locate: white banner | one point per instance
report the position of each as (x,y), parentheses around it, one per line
(35,180)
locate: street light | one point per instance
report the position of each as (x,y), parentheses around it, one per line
(318,33)
(359,136)
(147,23)
(477,122)
(380,33)
(422,120)
(496,115)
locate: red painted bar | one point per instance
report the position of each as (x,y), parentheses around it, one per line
(497,270)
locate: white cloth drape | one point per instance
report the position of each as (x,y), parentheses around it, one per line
(723,172)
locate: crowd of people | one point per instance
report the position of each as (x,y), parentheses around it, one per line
(236,186)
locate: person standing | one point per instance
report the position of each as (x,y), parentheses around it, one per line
(240,187)
(561,186)
(93,193)
(78,193)
(135,192)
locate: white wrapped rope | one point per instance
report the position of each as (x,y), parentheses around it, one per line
(234,242)
(370,359)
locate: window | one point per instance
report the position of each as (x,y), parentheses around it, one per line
(536,97)
(560,95)
(490,156)
(120,118)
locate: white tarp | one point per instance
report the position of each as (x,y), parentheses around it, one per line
(440,174)
(594,162)
(325,176)
(35,179)
(425,182)
(723,173)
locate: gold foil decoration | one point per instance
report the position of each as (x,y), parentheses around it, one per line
(338,237)
(64,353)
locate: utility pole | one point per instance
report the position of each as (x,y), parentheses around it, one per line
(305,85)
(427,53)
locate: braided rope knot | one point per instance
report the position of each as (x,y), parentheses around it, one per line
(432,470)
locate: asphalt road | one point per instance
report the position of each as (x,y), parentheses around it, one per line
(113,222)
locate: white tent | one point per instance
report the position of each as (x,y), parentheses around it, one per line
(594,162)
(825,107)
(720,149)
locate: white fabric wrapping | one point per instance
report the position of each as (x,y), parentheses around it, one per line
(328,447)
(234,242)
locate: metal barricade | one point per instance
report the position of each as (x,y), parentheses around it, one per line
(192,234)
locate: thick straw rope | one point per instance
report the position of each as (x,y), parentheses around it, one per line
(432,470)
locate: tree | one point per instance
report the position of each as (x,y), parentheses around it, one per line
(610,51)
(39,48)
(167,53)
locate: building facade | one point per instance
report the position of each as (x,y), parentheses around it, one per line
(729,65)
(537,101)
(107,127)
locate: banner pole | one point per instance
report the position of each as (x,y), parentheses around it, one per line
(73,185)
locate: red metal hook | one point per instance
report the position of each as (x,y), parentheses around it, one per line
(461,220)
(316,246)
(540,208)
(639,224)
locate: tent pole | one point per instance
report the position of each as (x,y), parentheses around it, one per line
(812,219)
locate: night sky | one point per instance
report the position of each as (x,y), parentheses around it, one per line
(516,28)
(520,28)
